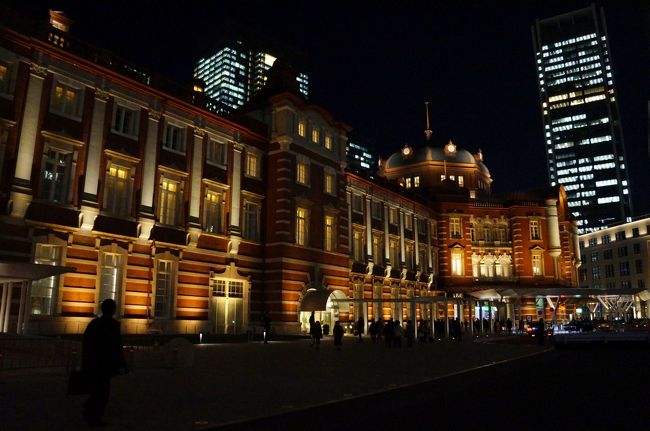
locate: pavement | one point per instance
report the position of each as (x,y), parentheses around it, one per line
(232,383)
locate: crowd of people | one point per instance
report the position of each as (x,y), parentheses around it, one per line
(393,333)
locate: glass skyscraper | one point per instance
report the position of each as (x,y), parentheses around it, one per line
(236,73)
(582,128)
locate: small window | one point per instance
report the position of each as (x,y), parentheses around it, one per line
(620,235)
(328,142)
(408,183)
(315,135)
(174,139)
(5,78)
(608,254)
(377,210)
(251,221)
(125,121)
(216,152)
(118,190)
(252,165)
(330,180)
(636,247)
(302,171)
(416,181)
(408,221)
(454,228)
(302,226)
(605,239)
(635,232)
(302,128)
(330,233)
(593,242)
(56,174)
(393,216)
(537,264)
(357,203)
(66,100)
(534,230)
(461,181)
(164,289)
(170,201)
(624,268)
(213,211)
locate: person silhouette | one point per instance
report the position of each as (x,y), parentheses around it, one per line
(102,358)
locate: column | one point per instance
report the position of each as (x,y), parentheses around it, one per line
(417,244)
(22,188)
(197,175)
(471,318)
(369,233)
(234,225)
(89,204)
(554,245)
(21,308)
(3,300)
(7,306)
(149,175)
(348,199)
(402,247)
(387,241)
(95,144)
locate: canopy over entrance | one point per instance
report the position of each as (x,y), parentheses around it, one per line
(25,271)
(316,300)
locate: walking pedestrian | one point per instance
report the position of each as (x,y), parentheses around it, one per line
(102,358)
(318,333)
(312,320)
(359,328)
(410,333)
(397,334)
(509,326)
(373,329)
(338,335)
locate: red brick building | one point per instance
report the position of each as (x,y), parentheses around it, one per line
(197,222)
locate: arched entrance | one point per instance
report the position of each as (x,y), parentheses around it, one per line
(326,305)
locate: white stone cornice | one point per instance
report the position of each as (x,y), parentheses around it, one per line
(101,94)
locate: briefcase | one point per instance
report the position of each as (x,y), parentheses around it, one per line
(78,383)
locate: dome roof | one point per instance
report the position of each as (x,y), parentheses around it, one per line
(434,154)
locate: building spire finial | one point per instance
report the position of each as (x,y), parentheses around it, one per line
(427,131)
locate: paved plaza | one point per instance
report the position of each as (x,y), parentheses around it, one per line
(233,382)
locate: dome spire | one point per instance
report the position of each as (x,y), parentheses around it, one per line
(427,131)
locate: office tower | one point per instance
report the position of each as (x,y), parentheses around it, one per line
(582,127)
(237,72)
(360,157)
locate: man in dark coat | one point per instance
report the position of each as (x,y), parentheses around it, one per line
(102,358)
(338,335)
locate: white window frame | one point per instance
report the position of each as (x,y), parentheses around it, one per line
(455,228)
(535,230)
(457,261)
(252,161)
(329,237)
(116,202)
(302,226)
(111,277)
(537,263)
(45,292)
(64,188)
(120,126)
(302,170)
(217,152)
(174,138)
(251,220)
(169,212)
(164,290)
(66,109)
(214,202)
(329,182)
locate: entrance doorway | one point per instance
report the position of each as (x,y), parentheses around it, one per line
(326,311)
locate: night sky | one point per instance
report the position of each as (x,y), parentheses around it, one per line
(373,64)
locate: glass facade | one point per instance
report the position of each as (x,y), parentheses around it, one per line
(582,129)
(236,73)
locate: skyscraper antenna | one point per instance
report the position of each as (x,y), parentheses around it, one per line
(427,131)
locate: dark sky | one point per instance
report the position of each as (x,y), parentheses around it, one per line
(373,64)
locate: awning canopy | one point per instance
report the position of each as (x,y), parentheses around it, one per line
(25,271)
(568,292)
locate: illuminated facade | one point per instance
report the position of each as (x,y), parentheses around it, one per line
(194,222)
(616,259)
(236,73)
(582,127)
